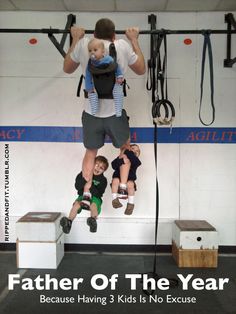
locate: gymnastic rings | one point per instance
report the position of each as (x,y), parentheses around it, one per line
(169,112)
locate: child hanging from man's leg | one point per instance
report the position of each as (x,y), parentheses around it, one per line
(93,203)
(124,176)
(121,165)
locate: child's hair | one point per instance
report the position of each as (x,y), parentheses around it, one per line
(95,41)
(103,160)
(132,145)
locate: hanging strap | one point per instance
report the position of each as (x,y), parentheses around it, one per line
(157,196)
(153,274)
(207,45)
(153,65)
(125,85)
(157,72)
(160,75)
(79,85)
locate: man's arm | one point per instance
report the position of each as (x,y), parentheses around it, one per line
(139,66)
(69,65)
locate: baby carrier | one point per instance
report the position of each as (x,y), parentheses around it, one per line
(103,77)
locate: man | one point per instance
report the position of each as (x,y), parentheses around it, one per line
(105,121)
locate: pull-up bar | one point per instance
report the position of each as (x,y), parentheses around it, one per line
(141,32)
(71,20)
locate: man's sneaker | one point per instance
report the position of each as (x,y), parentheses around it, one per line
(122,193)
(85,203)
(92,223)
(116,203)
(66,224)
(129,209)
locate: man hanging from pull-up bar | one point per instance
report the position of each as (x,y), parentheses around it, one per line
(105,122)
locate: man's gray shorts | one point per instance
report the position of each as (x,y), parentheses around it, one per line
(95,130)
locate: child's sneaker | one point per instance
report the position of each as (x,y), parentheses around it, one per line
(66,224)
(92,223)
(85,203)
(129,209)
(122,193)
(116,203)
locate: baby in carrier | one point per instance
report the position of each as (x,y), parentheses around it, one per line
(103,78)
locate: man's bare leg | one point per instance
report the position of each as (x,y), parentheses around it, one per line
(87,170)
(124,173)
(88,164)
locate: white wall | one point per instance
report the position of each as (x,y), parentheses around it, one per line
(197,181)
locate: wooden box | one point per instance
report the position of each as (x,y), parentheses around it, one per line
(194,244)
(40,240)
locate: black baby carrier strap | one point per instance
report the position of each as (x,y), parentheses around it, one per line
(157,78)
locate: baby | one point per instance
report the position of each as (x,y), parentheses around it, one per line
(100,60)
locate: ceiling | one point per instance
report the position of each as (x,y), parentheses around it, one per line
(118,5)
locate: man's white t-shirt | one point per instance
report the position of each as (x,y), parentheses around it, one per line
(125,57)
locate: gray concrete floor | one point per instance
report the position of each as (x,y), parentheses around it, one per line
(122,299)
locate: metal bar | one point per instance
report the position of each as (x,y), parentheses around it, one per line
(141,32)
(57,45)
